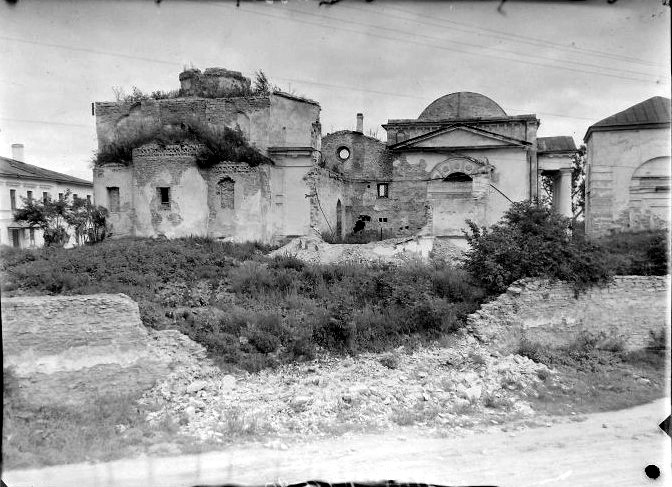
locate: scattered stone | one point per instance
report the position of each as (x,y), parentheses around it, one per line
(196,386)
(300,403)
(227,382)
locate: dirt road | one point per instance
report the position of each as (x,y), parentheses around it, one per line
(599,449)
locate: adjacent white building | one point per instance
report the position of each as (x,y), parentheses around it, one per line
(17,180)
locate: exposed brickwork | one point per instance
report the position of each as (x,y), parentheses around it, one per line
(548,312)
(64,349)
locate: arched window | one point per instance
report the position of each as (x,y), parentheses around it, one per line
(226,192)
(458,182)
(458,177)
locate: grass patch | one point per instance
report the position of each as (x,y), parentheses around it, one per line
(598,375)
(105,428)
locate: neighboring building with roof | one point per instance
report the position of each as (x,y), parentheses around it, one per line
(18,180)
(628,169)
(462,158)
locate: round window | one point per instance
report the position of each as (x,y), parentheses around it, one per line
(343,153)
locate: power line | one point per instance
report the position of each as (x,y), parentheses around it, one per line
(517,37)
(92,51)
(46,122)
(445,48)
(467,44)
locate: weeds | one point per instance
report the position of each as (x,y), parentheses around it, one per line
(251,311)
(105,428)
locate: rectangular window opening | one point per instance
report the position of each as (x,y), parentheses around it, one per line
(113,199)
(45,197)
(383,190)
(29,196)
(60,196)
(88,198)
(164,197)
(12,199)
(32,236)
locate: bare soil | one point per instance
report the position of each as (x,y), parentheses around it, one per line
(593,450)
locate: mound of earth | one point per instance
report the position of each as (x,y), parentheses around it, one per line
(395,251)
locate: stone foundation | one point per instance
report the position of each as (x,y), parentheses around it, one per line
(68,349)
(629,308)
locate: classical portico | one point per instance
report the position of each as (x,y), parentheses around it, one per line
(555,160)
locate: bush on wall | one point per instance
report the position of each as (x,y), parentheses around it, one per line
(218,144)
(532,241)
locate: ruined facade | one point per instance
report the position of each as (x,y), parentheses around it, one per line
(462,158)
(164,192)
(628,169)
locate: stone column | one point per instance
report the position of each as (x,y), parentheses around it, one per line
(563,187)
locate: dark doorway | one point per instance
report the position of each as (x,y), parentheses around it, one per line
(16,237)
(339,219)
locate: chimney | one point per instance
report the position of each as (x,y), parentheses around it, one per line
(17,152)
(360,123)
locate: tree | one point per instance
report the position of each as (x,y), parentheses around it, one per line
(579,182)
(56,217)
(262,86)
(532,241)
(87,221)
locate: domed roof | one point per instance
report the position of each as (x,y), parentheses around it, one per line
(463,104)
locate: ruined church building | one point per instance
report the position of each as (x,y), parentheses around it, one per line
(462,158)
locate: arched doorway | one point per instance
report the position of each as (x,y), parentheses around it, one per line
(649,194)
(339,219)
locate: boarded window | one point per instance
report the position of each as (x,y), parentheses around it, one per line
(12,199)
(226,192)
(113,199)
(164,197)
(383,190)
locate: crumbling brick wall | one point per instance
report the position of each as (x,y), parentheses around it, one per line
(548,312)
(67,349)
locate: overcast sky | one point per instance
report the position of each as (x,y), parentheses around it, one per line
(571,63)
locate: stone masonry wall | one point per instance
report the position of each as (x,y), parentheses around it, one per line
(548,312)
(67,349)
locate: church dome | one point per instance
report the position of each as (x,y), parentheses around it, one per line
(461,105)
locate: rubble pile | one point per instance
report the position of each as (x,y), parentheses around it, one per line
(431,387)
(393,251)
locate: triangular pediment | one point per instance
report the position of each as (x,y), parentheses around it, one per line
(459,136)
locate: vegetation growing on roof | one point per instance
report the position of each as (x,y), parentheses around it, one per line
(262,87)
(218,144)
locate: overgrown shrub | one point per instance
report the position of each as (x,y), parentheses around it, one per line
(532,241)
(643,253)
(218,144)
(251,311)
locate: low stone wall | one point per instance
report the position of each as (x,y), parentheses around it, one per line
(548,312)
(68,349)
